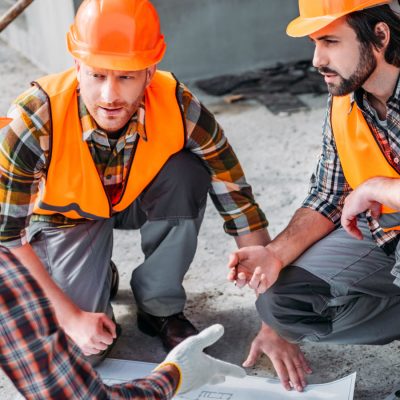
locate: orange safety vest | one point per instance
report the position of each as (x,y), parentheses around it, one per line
(72,186)
(359,153)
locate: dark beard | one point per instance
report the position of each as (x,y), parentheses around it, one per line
(364,70)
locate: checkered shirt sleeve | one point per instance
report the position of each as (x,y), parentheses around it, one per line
(41,360)
(328,186)
(230,192)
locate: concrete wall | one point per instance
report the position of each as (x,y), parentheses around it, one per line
(204,37)
(212,37)
(39,33)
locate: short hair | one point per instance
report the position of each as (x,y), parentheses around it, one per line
(363,23)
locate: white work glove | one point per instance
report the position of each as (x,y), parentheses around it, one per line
(197,368)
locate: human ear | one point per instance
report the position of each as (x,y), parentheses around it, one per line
(382,32)
(150,71)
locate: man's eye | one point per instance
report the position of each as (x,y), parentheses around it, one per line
(126,77)
(97,76)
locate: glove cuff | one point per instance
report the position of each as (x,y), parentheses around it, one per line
(164,364)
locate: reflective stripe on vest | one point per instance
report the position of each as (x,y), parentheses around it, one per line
(72,186)
(360,155)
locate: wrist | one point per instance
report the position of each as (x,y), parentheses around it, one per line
(275,249)
(256,238)
(174,371)
(69,316)
(372,188)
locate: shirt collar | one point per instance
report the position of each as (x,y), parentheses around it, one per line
(358,98)
(396,92)
(89,125)
(141,119)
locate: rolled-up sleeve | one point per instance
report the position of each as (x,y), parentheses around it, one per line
(41,360)
(328,186)
(230,192)
(23,156)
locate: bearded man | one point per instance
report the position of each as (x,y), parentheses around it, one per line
(315,282)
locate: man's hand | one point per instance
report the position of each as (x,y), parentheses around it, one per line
(257,266)
(197,368)
(287,358)
(357,202)
(92,332)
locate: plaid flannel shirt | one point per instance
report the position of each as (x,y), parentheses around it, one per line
(41,360)
(24,150)
(329,187)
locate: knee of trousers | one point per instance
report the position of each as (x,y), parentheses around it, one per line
(179,190)
(276,311)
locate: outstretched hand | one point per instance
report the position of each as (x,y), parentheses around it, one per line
(197,368)
(287,358)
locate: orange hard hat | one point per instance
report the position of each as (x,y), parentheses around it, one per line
(4,121)
(316,14)
(117,35)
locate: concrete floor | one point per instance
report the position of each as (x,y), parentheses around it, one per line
(278,154)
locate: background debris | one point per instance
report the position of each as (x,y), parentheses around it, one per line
(276,87)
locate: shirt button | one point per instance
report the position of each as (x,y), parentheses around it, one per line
(108,177)
(396,160)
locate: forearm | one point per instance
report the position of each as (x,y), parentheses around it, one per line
(382,190)
(305,228)
(260,237)
(38,337)
(63,305)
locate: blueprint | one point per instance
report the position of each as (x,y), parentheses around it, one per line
(254,388)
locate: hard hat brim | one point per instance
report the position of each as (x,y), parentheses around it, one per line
(118,63)
(302,26)
(4,121)
(306,26)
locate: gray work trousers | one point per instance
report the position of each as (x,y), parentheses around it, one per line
(339,291)
(168,213)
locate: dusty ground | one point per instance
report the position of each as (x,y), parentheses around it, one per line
(278,154)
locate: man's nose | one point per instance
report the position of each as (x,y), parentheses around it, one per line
(319,58)
(109,91)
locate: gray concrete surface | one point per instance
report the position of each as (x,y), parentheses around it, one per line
(278,154)
(208,37)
